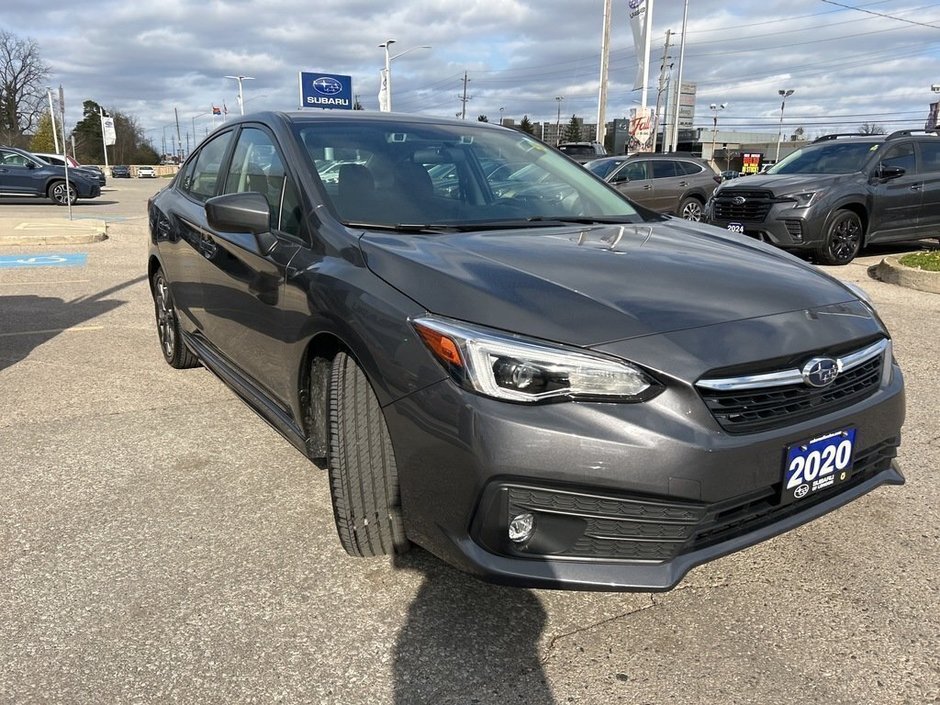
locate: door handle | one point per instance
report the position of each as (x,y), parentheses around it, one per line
(916,187)
(683,183)
(647,187)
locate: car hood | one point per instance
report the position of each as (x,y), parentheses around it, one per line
(594,284)
(782,184)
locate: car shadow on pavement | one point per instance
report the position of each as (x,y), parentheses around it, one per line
(465,641)
(27,320)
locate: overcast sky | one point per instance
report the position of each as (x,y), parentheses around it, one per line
(846,66)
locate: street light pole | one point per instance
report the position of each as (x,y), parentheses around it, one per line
(501,116)
(558,98)
(715,108)
(55,134)
(784,94)
(241,98)
(388,70)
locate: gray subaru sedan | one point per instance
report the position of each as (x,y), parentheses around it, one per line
(533,378)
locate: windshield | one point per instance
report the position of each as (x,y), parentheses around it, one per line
(391,173)
(828,158)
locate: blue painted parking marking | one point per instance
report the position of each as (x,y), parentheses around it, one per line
(56,259)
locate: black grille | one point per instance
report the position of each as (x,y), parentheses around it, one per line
(752,410)
(794,229)
(755,207)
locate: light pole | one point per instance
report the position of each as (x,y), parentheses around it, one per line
(387,108)
(784,94)
(501,116)
(55,134)
(241,98)
(558,98)
(715,108)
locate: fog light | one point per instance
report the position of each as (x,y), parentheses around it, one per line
(521,527)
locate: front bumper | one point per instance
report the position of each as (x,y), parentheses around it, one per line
(660,477)
(783,225)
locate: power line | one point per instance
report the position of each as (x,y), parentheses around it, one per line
(881,14)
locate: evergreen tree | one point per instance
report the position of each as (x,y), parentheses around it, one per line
(525,125)
(572,130)
(42,140)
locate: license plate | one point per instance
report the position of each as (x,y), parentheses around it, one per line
(817,464)
(736,228)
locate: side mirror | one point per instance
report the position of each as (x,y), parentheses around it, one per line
(889,172)
(30,165)
(246,212)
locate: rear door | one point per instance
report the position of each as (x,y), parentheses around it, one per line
(929,221)
(669,183)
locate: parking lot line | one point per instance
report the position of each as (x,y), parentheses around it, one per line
(73,329)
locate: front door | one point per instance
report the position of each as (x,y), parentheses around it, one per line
(634,181)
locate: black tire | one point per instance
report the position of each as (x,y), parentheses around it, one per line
(174,349)
(362,470)
(691,209)
(843,239)
(57,191)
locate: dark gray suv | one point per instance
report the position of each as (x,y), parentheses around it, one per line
(838,194)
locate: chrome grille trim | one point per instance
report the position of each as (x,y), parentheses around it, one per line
(795,376)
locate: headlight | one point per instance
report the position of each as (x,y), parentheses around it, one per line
(803,200)
(513,368)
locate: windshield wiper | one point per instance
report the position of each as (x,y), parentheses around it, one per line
(584,220)
(405,227)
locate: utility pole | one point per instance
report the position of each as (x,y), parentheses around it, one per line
(602,95)
(558,98)
(659,93)
(465,97)
(674,143)
(179,137)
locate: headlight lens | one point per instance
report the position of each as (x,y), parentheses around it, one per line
(803,200)
(513,368)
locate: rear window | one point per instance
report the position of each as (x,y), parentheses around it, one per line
(578,150)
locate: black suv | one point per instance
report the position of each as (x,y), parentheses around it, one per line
(839,194)
(22,174)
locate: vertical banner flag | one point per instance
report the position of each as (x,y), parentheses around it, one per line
(932,117)
(107,130)
(641,130)
(383,91)
(638,12)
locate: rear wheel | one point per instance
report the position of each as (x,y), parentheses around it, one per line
(362,470)
(174,349)
(57,193)
(843,239)
(691,209)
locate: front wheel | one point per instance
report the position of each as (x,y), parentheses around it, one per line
(691,209)
(843,239)
(363,475)
(57,194)
(174,349)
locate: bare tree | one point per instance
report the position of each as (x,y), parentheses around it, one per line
(870,128)
(23,77)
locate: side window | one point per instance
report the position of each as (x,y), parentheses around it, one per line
(291,210)
(634,171)
(901,155)
(203,180)
(14,159)
(688,168)
(663,168)
(930,155)
(257,166)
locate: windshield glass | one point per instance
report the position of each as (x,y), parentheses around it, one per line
(395,172)
(831,158)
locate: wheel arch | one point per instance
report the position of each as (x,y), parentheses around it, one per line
(855,207)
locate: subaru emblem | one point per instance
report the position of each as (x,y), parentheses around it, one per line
(821,371)
(327,86)
(739,200)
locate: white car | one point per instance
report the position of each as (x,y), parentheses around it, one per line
(146,172)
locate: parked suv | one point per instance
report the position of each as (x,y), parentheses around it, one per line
(839,194)
(22,174)
(583,152)
(668,183)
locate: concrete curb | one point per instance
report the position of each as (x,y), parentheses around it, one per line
(36,232)
(891,271)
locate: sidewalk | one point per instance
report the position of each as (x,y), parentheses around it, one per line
(29,231)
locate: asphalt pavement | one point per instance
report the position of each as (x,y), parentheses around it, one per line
(159,543)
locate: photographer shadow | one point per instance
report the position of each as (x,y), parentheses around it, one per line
(465,641)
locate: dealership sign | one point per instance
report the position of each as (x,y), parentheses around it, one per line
(325,90)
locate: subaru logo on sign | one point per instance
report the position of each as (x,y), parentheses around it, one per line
(739,200)
(634,4)
(327,86)
(821,371)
